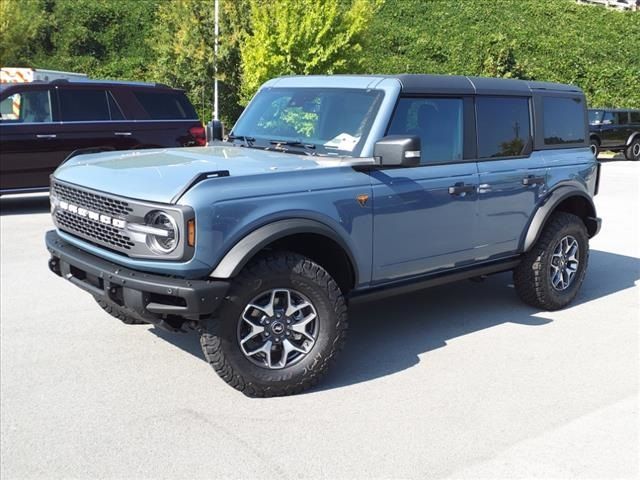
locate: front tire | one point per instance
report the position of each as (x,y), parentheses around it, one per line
(552,272)
(595,147)
(632,152)
(279,329)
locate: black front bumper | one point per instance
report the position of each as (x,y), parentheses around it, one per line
(161,300)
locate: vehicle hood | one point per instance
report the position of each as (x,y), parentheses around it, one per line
(161,175)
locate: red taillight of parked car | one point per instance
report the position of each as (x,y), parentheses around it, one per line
(199,135)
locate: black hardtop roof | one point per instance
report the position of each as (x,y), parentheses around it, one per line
(447,84)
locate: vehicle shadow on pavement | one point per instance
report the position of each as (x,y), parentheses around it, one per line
(23,205)
(388,336)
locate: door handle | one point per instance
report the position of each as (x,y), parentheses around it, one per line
(122,134)
(461,189)
(49,135)
(533,180)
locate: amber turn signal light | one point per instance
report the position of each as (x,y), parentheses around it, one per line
(191,233)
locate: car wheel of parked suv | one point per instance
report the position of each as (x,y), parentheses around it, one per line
(595,147)
(632,152)
(551,273)
(119,314)
(283,322)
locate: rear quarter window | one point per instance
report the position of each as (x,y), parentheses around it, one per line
(563,120)
(165,105)
(635,117)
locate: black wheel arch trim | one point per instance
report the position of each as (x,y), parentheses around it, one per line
(632,138)
(243,251)
(549,205)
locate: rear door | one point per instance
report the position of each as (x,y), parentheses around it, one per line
(29,145)
(615,129)
(91,119)
(425,217)
(512,177)
(163,117)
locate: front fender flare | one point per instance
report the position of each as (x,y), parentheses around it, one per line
(544,211)
(236,258)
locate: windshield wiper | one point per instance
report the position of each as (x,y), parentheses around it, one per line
(246,139)
(281,144)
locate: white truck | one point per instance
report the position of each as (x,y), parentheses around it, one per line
(28,75)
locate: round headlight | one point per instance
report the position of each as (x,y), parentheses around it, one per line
(166,240)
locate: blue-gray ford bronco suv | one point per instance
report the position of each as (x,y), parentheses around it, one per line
(331,189)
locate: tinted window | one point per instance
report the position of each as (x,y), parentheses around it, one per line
(437,121)
(26,107)
(608,118)
(622,118)
(504,129)
(83,105)
(563,120)
(114,109)
(165,105)
(635,117)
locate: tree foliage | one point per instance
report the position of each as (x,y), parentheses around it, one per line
(303,37)
(183,43)
(171,41)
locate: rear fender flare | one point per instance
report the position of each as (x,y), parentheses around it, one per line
(548,206)
(632,137)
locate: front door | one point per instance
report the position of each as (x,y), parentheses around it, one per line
(425,216)
(30,147)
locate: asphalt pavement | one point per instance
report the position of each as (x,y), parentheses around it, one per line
(460,381)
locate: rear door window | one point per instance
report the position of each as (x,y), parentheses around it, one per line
(563,120)
(437,121)
(83,105)
(622,118)
(635,117)
(27,107)
(165,105)
(504,126)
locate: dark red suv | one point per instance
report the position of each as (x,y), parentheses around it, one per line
(42,123)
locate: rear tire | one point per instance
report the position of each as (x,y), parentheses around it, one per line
(282,290)
(544,279)
(632,152)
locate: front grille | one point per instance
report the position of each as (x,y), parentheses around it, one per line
(91,201)
(109,221)
(97,231)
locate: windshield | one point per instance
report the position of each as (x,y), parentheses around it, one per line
(595,117)
(323,121)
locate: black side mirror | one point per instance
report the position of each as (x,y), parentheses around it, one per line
(398,151)
(215,131)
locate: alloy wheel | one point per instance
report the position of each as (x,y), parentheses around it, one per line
(564,263)
(278,328)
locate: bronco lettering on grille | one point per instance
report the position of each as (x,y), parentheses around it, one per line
(98,217)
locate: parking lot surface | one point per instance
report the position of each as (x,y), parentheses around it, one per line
(460,381)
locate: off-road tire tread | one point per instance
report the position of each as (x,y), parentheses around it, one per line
(119,314)
(628,152)
(278,263)
(529,276)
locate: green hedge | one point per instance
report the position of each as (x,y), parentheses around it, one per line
(593,47)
